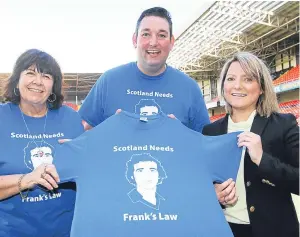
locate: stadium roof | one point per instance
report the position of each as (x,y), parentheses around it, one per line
(231,26)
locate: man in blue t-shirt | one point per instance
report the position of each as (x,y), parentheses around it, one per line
(149,80)
(152,176)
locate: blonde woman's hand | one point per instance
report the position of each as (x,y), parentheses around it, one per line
(253,143)
(226,192)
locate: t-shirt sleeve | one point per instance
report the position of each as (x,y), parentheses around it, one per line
(69,158)
(198,114)
(76,125)
(73,124)
(92,108)
(222,156)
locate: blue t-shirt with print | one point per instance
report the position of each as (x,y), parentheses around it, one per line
(42,213)
(127,88)
(148,177)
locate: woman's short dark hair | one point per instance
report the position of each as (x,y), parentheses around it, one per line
(44,63)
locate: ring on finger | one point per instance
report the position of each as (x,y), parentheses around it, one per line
(43,175)
(45,169)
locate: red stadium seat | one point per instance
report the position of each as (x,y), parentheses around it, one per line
(292,107)
(73,106)
(291,75)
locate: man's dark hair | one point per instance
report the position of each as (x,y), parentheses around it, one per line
(155,11)
(43,63)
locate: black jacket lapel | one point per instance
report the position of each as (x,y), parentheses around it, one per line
(224,125)
(258,126)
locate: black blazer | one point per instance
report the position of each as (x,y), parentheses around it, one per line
(268,186)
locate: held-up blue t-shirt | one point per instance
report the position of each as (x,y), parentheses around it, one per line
(127,88)
(43,213)
(148,177)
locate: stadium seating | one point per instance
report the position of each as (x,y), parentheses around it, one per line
(73,106)
(291,75)
(286,107)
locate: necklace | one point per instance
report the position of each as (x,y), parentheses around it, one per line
(45,124)
(40,151)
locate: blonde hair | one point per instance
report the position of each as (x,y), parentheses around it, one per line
(254,68)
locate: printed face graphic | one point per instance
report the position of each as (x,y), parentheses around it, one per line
(147,107)
(41,155)
(146,174)
(149,110)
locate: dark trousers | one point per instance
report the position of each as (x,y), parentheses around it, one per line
(240,230)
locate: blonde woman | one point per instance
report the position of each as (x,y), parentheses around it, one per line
(269,170)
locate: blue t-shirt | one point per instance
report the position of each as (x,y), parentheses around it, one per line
(42,213)
(127,88)
(148,177)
